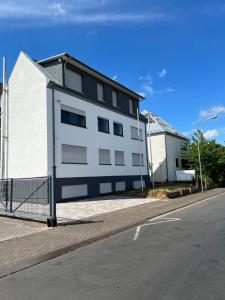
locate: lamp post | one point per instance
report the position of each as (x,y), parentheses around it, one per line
(199,152)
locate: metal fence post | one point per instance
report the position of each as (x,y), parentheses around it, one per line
(52,220)
(11,196)
(6,194)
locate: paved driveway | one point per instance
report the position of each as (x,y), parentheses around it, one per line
(14,228)
(79,210)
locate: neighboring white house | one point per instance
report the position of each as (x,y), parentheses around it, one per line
(71,122)
(167,149)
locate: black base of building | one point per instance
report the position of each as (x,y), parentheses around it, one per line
(93,184)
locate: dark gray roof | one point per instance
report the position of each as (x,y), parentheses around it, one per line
(65,56)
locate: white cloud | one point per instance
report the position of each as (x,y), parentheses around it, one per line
(148,89)
(145,111)
(147,77)
(72,12)
(115,77)
(211,134)
(57,9)
(170,90)
(143,94)
(215,110)
(147,85)
(163,73)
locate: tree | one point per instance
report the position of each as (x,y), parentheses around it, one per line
(212,157)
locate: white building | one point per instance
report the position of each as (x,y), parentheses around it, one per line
(167,149)
(68,121)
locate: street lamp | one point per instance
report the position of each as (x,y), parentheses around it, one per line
(199,153)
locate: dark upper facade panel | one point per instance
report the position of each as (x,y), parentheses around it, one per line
(91,84)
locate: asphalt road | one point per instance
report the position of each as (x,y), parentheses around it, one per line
(179,256)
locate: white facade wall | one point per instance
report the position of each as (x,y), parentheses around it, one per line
(164,149)
(91,138)
(173,151)
(156,145)
(27,151)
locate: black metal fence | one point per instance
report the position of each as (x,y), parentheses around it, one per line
(26,197)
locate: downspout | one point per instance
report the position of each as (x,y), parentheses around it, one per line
(147,152)
(167,173)
(151,158)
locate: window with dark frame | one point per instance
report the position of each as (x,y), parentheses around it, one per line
(100,92)
(131,106)
(177,162)
(74,80)
(115,98)
(71,118)
(184,163)
(103,125)
(117,129)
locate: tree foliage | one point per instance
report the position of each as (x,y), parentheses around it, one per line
(212,157)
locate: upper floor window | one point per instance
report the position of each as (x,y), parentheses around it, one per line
(119,158)
(76,117)
(131,106)
(134,133)
(115,99)
(72,154)
(73,80)
(103,125)
(100,92)
(104,157)
(118,129)
(137,159)
(184,147)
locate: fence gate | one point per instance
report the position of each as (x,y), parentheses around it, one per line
(26,197)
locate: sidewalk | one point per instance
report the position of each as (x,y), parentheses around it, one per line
(20,253)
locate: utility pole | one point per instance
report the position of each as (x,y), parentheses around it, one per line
(139,144)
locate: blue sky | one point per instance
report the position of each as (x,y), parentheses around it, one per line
(171,51)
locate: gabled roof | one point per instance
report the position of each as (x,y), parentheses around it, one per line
(77,63)
(158,125)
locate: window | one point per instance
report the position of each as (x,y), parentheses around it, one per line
(131,106)
(104,157)
(74,191)
(74,154)
(134,133)
(75,117)
(184,163)
(136,159)
(100,92)
(184,147)
(118,129)
(115,98)
(73,80)
(177,162)
(105,187)
(119,158)
(103,125)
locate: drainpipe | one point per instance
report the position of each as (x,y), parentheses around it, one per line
(167,171)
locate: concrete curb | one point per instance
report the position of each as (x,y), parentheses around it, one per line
(32,261)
